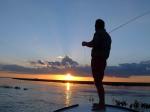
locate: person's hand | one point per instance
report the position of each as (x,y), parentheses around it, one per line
(83,43)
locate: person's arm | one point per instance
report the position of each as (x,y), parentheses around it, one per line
(88,44)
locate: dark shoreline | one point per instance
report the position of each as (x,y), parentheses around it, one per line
(88,82)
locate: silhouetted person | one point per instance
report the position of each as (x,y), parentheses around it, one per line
(101,45)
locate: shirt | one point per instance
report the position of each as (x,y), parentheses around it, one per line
(101,44)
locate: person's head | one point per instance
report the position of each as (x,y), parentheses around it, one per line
(99,24)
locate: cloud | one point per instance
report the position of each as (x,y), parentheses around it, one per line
(60,57)
(37,63)
(16,68)
(128,69)
(69,65)
(55,64)
(41,62)
(66,62)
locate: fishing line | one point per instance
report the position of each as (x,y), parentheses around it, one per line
(84,54)
(122,25)
(129,21)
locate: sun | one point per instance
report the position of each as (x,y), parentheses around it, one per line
(68,76)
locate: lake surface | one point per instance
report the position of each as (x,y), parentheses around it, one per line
(33,96)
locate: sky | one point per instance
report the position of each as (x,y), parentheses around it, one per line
(47,29)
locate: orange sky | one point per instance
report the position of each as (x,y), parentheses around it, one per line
(79,78)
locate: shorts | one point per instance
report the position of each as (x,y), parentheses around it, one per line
(98,66)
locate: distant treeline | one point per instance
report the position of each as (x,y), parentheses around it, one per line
(89,82)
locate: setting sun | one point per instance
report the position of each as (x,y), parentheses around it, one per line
(68,76)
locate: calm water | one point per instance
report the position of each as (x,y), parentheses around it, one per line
(48,96)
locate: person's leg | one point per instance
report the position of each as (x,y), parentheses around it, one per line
(101,95)
(98,67)
(100,90)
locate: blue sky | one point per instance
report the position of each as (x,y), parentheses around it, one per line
(46,29)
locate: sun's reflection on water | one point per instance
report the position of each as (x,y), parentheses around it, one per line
(68,86)
(67,94)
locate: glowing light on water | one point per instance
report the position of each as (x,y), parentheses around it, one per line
(68,94)
(68,86)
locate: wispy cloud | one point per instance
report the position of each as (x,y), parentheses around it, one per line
(60,57)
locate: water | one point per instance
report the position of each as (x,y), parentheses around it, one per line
(48,96)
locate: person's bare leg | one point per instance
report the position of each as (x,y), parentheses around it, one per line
(98,68)
(101,96)
(100,91)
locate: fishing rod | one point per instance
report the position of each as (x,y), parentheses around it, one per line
(129,21)
(124,24)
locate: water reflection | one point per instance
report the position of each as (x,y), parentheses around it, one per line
(67,94)
(68,86)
